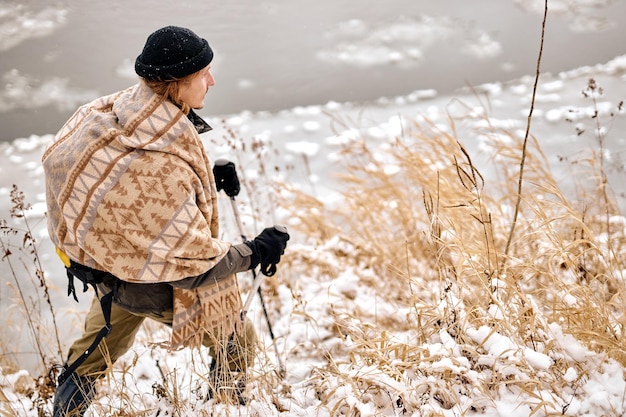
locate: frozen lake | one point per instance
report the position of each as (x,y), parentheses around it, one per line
(273,55)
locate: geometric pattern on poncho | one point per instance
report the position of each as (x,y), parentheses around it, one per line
(130,191)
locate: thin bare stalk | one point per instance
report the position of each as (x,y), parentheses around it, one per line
(527,134)
(29,319)
(18,211)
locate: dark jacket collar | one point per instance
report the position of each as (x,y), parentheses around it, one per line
(198,122)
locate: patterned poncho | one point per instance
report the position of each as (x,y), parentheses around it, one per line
(130,191)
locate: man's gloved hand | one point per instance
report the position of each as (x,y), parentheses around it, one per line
(226,177)
(267,249)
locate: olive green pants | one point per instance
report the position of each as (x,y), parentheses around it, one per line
(124,326)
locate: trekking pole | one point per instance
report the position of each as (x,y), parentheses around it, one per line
(256,280)
(256,286)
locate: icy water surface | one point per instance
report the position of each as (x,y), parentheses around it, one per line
(273,55)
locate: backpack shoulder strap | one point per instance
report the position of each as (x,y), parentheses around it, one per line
(106,302)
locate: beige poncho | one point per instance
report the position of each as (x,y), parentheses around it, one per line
(130,191)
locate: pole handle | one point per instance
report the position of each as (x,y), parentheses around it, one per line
(281,228)
(220,162)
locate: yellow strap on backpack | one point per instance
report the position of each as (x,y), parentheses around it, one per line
(64,258)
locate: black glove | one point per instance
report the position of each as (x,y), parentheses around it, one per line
(226,177)
(267,248)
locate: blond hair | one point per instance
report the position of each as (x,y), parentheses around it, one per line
(170,90)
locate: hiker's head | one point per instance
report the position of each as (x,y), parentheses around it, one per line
(175,63)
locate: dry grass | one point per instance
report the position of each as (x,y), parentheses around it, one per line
(466,252)
(426,231)
(433,229)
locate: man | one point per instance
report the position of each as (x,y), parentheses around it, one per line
(132,206)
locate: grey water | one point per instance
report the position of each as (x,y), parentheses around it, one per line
(273,55)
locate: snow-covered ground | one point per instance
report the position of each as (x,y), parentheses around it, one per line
(305,311)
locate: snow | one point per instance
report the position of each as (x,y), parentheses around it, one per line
(22,91)
(19,22)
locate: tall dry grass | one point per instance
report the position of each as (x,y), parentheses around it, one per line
(435,230)
(423,221)
(31,308)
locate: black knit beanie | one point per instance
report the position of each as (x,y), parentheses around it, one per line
(172,52)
